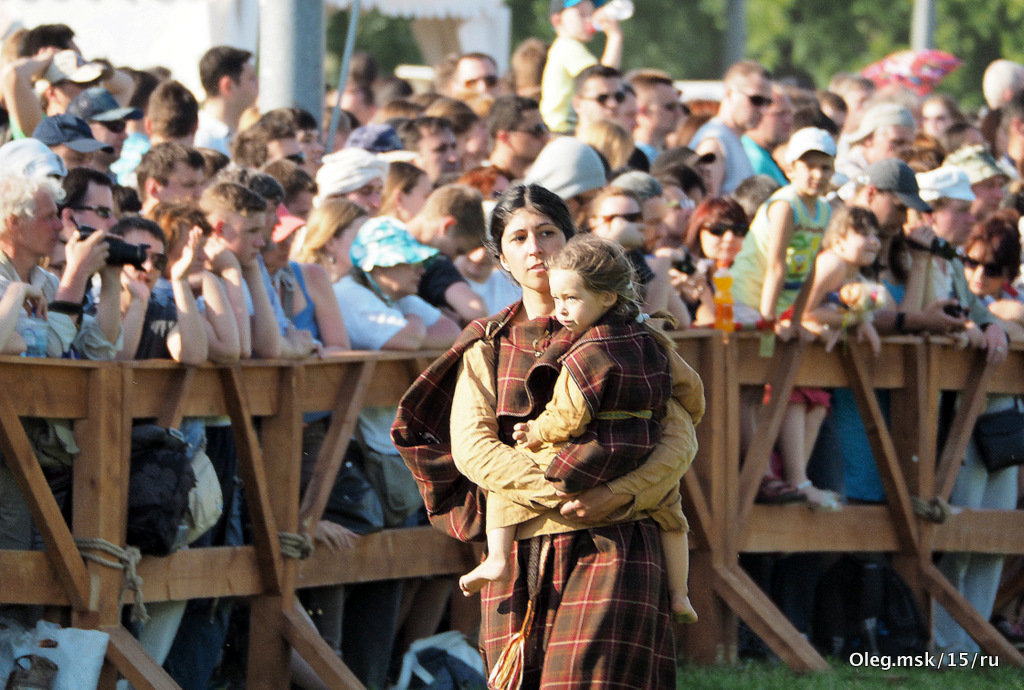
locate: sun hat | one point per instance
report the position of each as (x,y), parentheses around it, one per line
(976,161)
(67,65)
(346,171)
(883,115)
(947,182)
(384,242)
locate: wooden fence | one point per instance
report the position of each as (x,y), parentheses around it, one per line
(719,492)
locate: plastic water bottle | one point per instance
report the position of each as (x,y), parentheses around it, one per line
(724,320)
(620,10)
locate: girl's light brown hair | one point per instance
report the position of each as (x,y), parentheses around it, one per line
(402,177)
(327,221)
(848,219)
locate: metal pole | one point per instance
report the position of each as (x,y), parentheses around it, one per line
(292,46)
(735,31)
(346,58)
(922,26)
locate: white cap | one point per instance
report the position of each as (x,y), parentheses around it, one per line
(31,158)
(809,139)
(67,65)
(947,182)
(346,171)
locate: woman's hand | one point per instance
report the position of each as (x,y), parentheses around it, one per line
(334,536)
(593,505)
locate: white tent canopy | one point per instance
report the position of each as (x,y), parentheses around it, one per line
(175,33)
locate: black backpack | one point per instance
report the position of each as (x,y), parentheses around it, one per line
(161,477)
(863,605)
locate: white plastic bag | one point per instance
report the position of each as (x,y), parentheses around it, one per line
(78,653)
(452,642)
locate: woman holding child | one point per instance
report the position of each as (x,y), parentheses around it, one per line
(588,568)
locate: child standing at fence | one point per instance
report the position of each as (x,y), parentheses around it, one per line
(603,417)
(841,297)
(776,258)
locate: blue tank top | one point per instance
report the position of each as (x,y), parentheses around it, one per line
(305,319)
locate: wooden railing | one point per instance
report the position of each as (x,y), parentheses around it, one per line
(104,398)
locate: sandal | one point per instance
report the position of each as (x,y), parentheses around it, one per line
(32,672)
(774,491)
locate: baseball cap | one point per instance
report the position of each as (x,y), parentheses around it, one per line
(71,131)
(67,65)
(893,175)
(384,242)
(810,139)
(559,5)
(375,138)
(947,182)
(286,224)
(883,115)
(31,158)
(976,161)
(96,104)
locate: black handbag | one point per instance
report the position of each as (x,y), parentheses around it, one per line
(1000,438)
(353,502)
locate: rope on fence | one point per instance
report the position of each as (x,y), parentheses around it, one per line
(936,510)
(295,545)
(127,560)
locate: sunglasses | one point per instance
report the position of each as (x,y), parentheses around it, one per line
(538,131)
(157,260)
(719,229)
(115,127)
(103,212)
(990,270)
(297,158)
(489,80)
(757,100)
(634,217)
(603,98)
(683,202)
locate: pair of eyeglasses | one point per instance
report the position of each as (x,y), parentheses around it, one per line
(297,158)
(603,98)
(489,80)
(990,270)
(113,126)
(757,100)
(103,212)
(719,229)
(635,217)
(157,260)
(538,131)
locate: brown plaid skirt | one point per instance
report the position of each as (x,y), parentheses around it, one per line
(601,615)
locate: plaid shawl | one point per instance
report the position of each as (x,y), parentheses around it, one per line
(620,367)
(422,435)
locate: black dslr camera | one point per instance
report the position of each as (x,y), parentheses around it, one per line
(121,253)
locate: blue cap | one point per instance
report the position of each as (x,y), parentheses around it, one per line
(559,5)
(98,105)
(375,138)
(71,131)
(385,242)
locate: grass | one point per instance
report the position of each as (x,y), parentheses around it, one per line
(762,675)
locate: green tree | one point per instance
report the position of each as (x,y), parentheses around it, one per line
(389,39)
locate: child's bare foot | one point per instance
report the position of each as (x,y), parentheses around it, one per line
(682,609)
(491,570)
(819,499)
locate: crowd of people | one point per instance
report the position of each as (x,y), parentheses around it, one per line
(139,220)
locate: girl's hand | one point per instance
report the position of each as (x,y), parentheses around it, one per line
(136,289)
(191,254)
(593,505)
(866,331)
